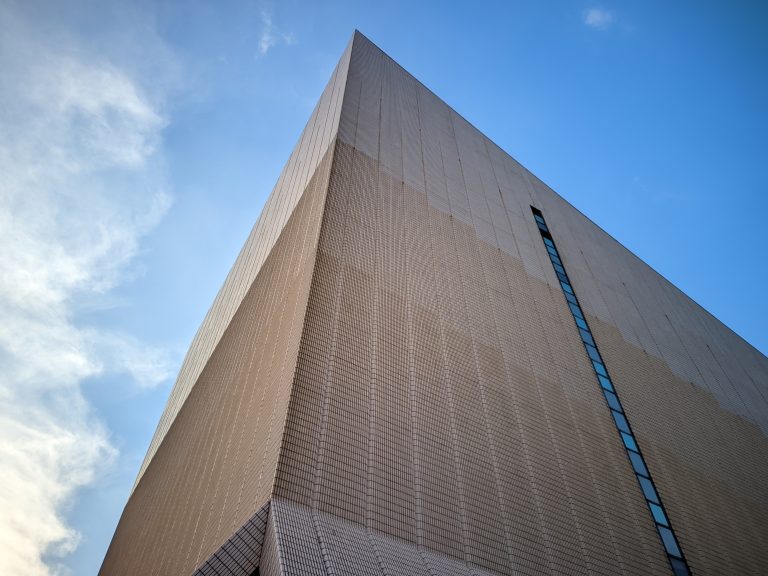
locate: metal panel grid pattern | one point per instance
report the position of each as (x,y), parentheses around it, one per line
(712,382)
(695,392)
(607,388)
(241,553)
(441,404)
(315,544)
(433,307)
(437,402)
(315,140)
(216,465)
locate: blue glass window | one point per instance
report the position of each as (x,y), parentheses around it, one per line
(593,353)
(587,337)
(670,543)
(613,401)
(629,441)
(605,382)
(637,463)
(600,369)
(678,567)
(658,514)
(648,490)
(621,422)
(576,310)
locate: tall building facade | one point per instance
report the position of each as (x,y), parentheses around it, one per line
(425,362)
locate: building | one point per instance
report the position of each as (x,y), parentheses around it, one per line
(425,362)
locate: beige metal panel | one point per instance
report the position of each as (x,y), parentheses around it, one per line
(652,316)
(351,99)
(313,144)
(705,460)
(348,548)
(368,68)
(270,561)
(413,152)
(434,411)
(242,553)
(454,175)
(390,123)
(431,127)
(608,277)
(656,313)
(216,466)
(401,398)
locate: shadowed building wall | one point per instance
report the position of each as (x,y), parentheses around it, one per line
(397,385)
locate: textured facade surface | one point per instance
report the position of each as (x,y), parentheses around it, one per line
(391,382)
(314,142)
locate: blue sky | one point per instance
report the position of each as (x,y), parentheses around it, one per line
(139,142)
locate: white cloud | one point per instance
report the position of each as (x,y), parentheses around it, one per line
(598,18)
(271,36)
(147,366)
(79,187)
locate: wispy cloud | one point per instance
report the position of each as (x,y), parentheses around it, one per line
(79,187)
(271,36)
(598,18)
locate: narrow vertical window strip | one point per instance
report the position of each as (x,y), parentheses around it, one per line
(629,440)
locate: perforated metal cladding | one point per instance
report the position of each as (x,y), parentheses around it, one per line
(316,139)
(714,384)
(216,465)
(652,314)
(242,553)
(434,411)
(708,463)
(443,398)
(316,544)
(426,144)
(437,401)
